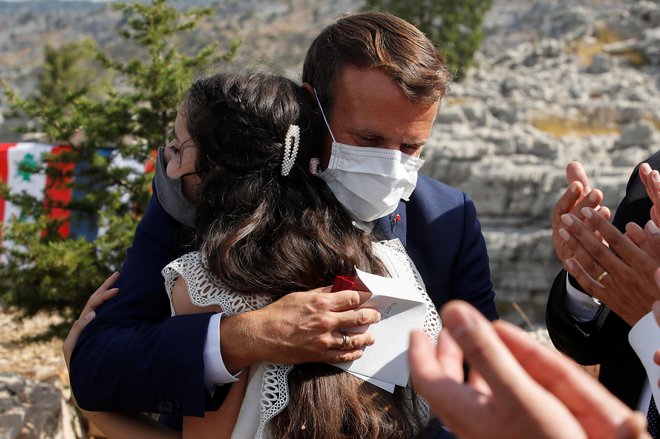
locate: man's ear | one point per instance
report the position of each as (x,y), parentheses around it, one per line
(308,89)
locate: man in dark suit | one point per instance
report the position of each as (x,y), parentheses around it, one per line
(598,335)
(380,100)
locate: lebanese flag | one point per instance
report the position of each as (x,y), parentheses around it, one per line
(18,166)
(16,162)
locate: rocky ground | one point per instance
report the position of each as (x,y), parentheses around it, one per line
(42,360)
(34,385)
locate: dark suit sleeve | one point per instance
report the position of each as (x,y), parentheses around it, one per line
(471,277)
(133,356)
(580,341)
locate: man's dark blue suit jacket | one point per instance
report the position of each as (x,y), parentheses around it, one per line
(134,357)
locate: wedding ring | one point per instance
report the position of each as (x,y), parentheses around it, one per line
(344,340)
(602,276)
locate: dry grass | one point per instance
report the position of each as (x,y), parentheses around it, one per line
(586,50)
(634,57)
(654,121)
(562,127)
(605,35)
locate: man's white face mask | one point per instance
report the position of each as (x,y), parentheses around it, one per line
(369,182)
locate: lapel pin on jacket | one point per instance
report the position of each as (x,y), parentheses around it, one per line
(394,219)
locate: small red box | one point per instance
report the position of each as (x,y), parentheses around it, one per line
(342,283)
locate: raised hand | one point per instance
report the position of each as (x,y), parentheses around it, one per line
(577,196)
(620,275)
(523,389)
(651,180)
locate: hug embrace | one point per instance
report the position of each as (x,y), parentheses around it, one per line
(266,193)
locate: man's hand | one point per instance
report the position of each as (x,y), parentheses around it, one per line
(519,389)
(103,293)
(620,275)
(651,180)
(299,328)
(577,196)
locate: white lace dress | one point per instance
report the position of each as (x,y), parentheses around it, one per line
(267,391)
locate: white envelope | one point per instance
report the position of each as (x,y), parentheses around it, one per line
(382,384)
(403,309)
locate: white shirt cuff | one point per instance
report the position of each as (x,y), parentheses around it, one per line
(215,372)
(644,338)
(582,307)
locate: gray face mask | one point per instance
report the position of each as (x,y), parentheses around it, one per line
(170,194)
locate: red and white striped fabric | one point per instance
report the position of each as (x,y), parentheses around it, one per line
(18,163)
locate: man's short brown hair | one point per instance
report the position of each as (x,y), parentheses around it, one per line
(378,40)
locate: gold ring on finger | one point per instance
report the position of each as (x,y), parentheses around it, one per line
(602,276)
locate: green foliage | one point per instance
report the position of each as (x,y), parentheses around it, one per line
(66,70)
(454,26)
(87,100)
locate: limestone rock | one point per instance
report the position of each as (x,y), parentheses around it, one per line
(33,410)
(451,114)
(630,157)
(477,114)
(569,24)
(636,134)
(533,105)
(626,26)
(651,46)
(600,64)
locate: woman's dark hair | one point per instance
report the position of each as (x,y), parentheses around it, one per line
(263,232)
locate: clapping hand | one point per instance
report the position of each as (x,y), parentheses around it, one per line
(518,388)
(577,196)
(619,272)
(651,180)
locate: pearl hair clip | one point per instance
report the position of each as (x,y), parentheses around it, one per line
(291,145)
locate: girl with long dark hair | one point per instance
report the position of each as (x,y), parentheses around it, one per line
(267,225)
